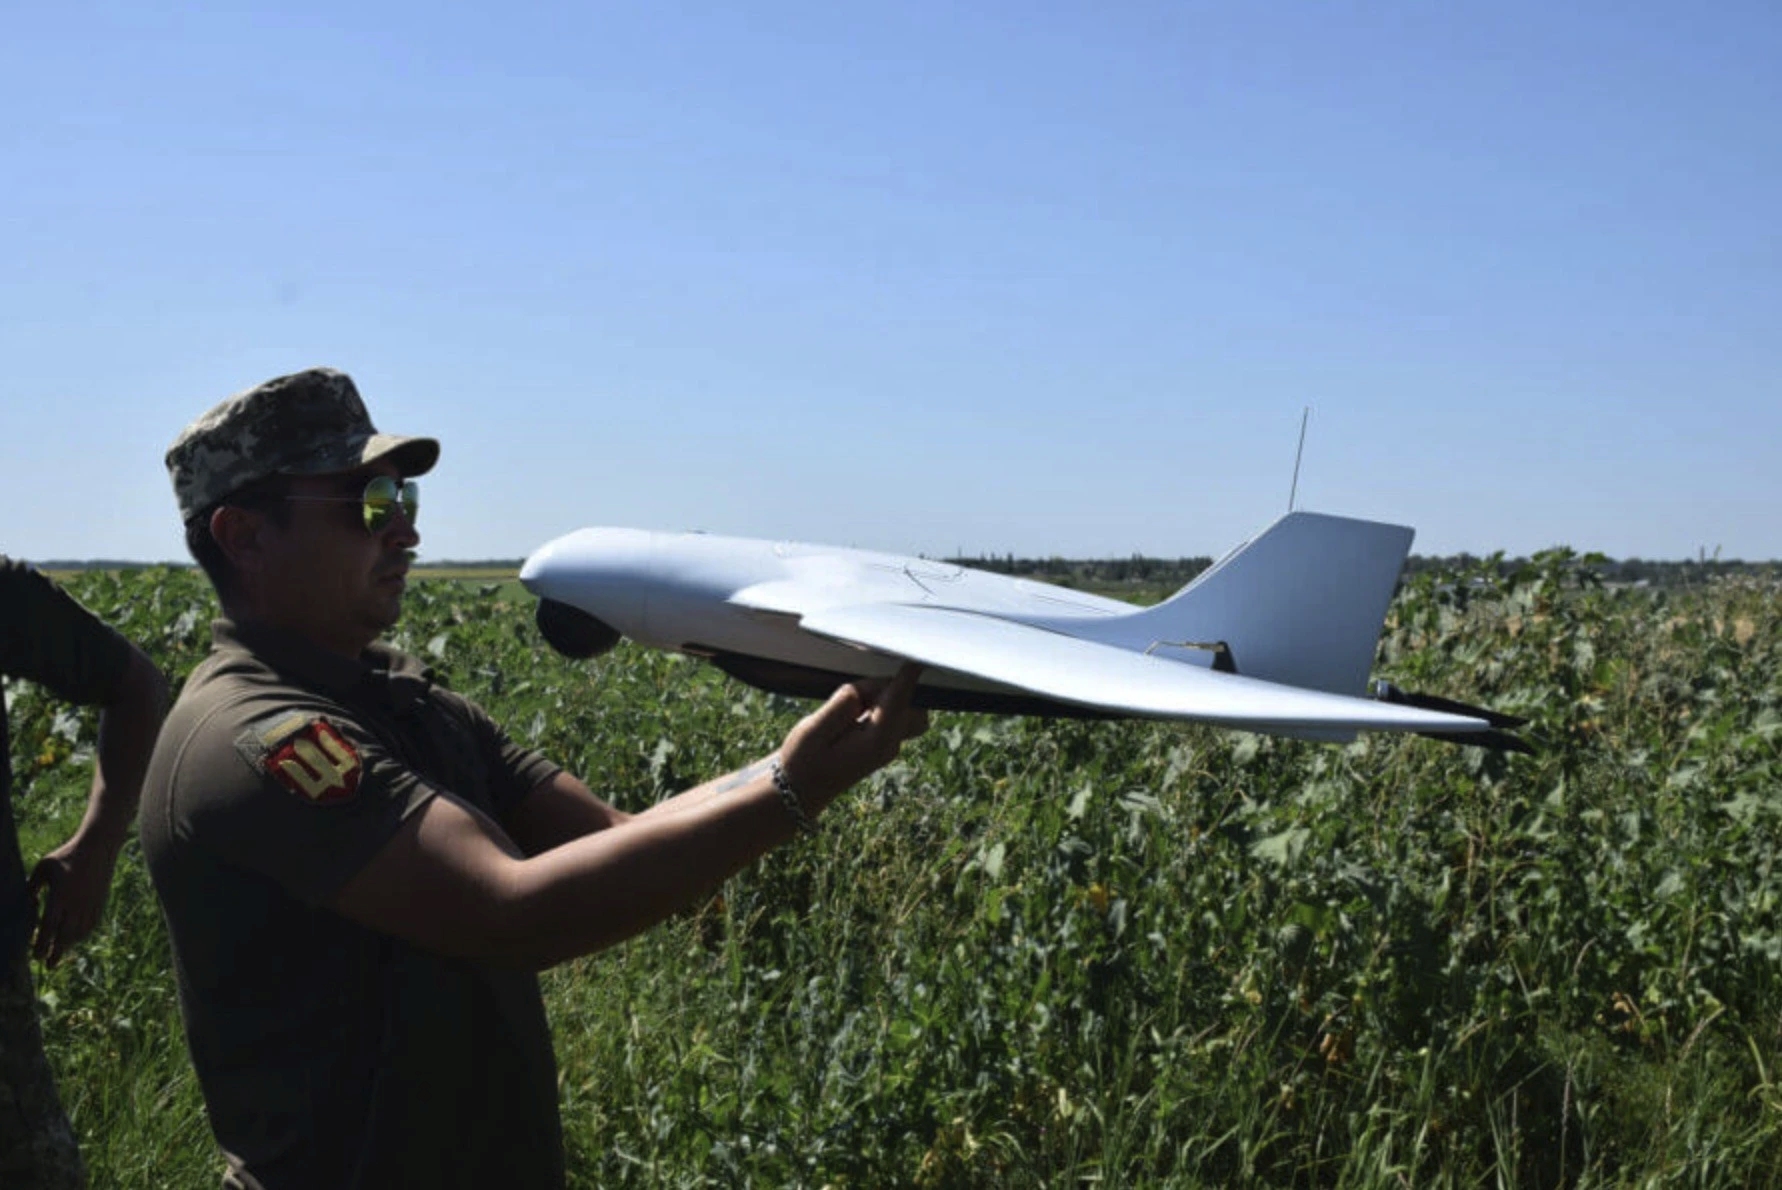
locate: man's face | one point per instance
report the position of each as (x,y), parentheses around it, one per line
(323,574)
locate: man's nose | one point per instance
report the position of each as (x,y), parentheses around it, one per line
(401,531)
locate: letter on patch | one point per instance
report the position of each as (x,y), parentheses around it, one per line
(317,763)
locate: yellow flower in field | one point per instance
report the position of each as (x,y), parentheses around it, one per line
(1098,895)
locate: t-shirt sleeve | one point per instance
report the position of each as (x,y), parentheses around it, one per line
(298,791)
(514,771)
(48,638)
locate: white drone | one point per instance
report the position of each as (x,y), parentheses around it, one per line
(1276,637)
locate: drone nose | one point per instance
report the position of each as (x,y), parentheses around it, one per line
(603,572)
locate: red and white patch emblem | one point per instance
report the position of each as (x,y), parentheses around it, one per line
(316,763)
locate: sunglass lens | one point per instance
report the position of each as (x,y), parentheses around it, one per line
(382,495)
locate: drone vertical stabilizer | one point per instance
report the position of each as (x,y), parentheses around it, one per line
(1301,604)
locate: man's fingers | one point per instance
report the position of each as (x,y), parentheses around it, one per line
(43,875)
(896,709)
(46,944)
(886,698)
(897,696)
(837,716)
(871,689)
(46,907)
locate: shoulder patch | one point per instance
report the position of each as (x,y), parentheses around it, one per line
(303,752)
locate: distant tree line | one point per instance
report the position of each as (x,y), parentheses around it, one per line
(1136,570)
(1141,571)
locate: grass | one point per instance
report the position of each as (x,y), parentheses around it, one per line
(1122,954)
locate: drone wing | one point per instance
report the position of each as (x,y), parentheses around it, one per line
(1110,678)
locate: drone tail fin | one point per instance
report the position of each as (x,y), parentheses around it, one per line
(1302,603)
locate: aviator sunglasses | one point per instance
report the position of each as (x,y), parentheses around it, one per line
(383,495)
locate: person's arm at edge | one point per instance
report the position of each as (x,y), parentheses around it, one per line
(452,882)
(77,875)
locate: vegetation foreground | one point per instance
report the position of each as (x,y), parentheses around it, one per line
(1130,954)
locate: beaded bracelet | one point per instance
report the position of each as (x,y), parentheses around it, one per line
(789,798)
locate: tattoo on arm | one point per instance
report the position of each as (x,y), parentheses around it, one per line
(741,777)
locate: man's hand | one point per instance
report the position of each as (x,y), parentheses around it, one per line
(858,731)
(74,879)
(72,882)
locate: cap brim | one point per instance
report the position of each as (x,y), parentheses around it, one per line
(412,456)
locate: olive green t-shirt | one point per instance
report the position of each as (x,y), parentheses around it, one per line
(47,638)
(331,1055)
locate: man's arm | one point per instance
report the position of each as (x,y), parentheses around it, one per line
(77,875)
(561,808)
(451,881)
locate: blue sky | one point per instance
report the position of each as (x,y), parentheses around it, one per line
(1040,279)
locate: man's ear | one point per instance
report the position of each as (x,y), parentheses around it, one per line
(238,533)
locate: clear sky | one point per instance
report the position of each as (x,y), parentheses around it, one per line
(922,277)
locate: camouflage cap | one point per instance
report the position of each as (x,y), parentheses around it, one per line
(307,423)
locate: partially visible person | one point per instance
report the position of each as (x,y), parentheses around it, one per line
(361,871)
(48,638)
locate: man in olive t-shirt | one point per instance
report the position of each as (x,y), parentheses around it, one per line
(48,638)
(332,1054)
(360,870)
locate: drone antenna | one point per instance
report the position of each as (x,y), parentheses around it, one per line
(1293,492)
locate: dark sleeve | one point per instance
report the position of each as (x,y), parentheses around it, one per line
(48,638)
(514,771)
(297,791)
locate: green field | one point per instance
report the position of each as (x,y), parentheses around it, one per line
(1119,954)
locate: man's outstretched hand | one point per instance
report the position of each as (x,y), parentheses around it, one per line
(857,732)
